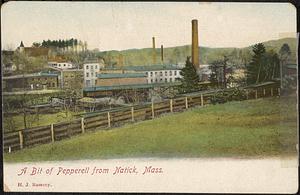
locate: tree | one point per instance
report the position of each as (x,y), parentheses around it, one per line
(36,44)
(190,79)
(215,72)
(254,68)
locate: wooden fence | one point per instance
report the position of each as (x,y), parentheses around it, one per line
(51,133)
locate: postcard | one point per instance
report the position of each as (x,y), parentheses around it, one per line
(192,97)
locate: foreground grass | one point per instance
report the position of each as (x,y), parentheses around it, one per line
(263,127)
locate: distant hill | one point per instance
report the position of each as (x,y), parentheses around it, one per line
(173,55)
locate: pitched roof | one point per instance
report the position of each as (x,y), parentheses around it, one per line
(120,75)
(133,86)
(21,44)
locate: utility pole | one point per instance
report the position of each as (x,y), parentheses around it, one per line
(224,71)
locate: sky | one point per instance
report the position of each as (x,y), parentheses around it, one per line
(126,25)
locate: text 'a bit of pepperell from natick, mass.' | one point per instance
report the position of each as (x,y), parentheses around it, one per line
(118,170)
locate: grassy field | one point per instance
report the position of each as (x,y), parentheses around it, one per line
(43,119)
(253,128)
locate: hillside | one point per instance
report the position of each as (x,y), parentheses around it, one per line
(178,54)
(253,128)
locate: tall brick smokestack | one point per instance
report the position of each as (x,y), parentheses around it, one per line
(153,50)
(162,54)
(195,44)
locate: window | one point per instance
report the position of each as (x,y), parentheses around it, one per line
(92,67)
(64,65)
(53,84)
(155,80)
(171,79)
(160,73)
(92,74)
(166,80)
(166,73)
(151,73)
(87,74)
(175,73)
(155,73)
(170,72)
(161,80)
(95,82)
(87,66)
(151,81)
(96,67)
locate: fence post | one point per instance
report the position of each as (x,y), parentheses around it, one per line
(132,114)
(271,91)
(171,105)
(278,91)
(201,100)
(108,119)
(21,139)
(82,125)
(264,92)
(255,93)
(186,103)
(152,109)
(52,133)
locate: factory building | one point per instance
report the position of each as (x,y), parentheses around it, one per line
(35,81)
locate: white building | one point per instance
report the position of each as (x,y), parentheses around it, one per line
(61,65)
(163,75)
(158,73)
(90,70)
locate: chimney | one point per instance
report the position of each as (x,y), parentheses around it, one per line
(154,52)
(195,44)
(121,62)
(162,54)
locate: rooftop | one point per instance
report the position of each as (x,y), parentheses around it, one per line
(39,74)
(134,86)
(146,67)
(120,75)
(292,66)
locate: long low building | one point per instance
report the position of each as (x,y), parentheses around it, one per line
(41,80)
(103,91)
(113,79)
(155,73)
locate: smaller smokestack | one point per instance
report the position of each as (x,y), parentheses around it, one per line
(162,53)
(121,63)
(153,50)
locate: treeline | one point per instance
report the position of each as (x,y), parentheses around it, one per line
(266,65)
(60,43)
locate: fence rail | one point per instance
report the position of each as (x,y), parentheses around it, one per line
(46,134)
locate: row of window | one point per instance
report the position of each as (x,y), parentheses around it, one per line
(87,74)
(161,80)
(165,73)
(92,67)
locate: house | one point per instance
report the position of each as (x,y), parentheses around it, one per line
(61,64)
(91,68)
(34,51)
(35,81)
(71,78)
